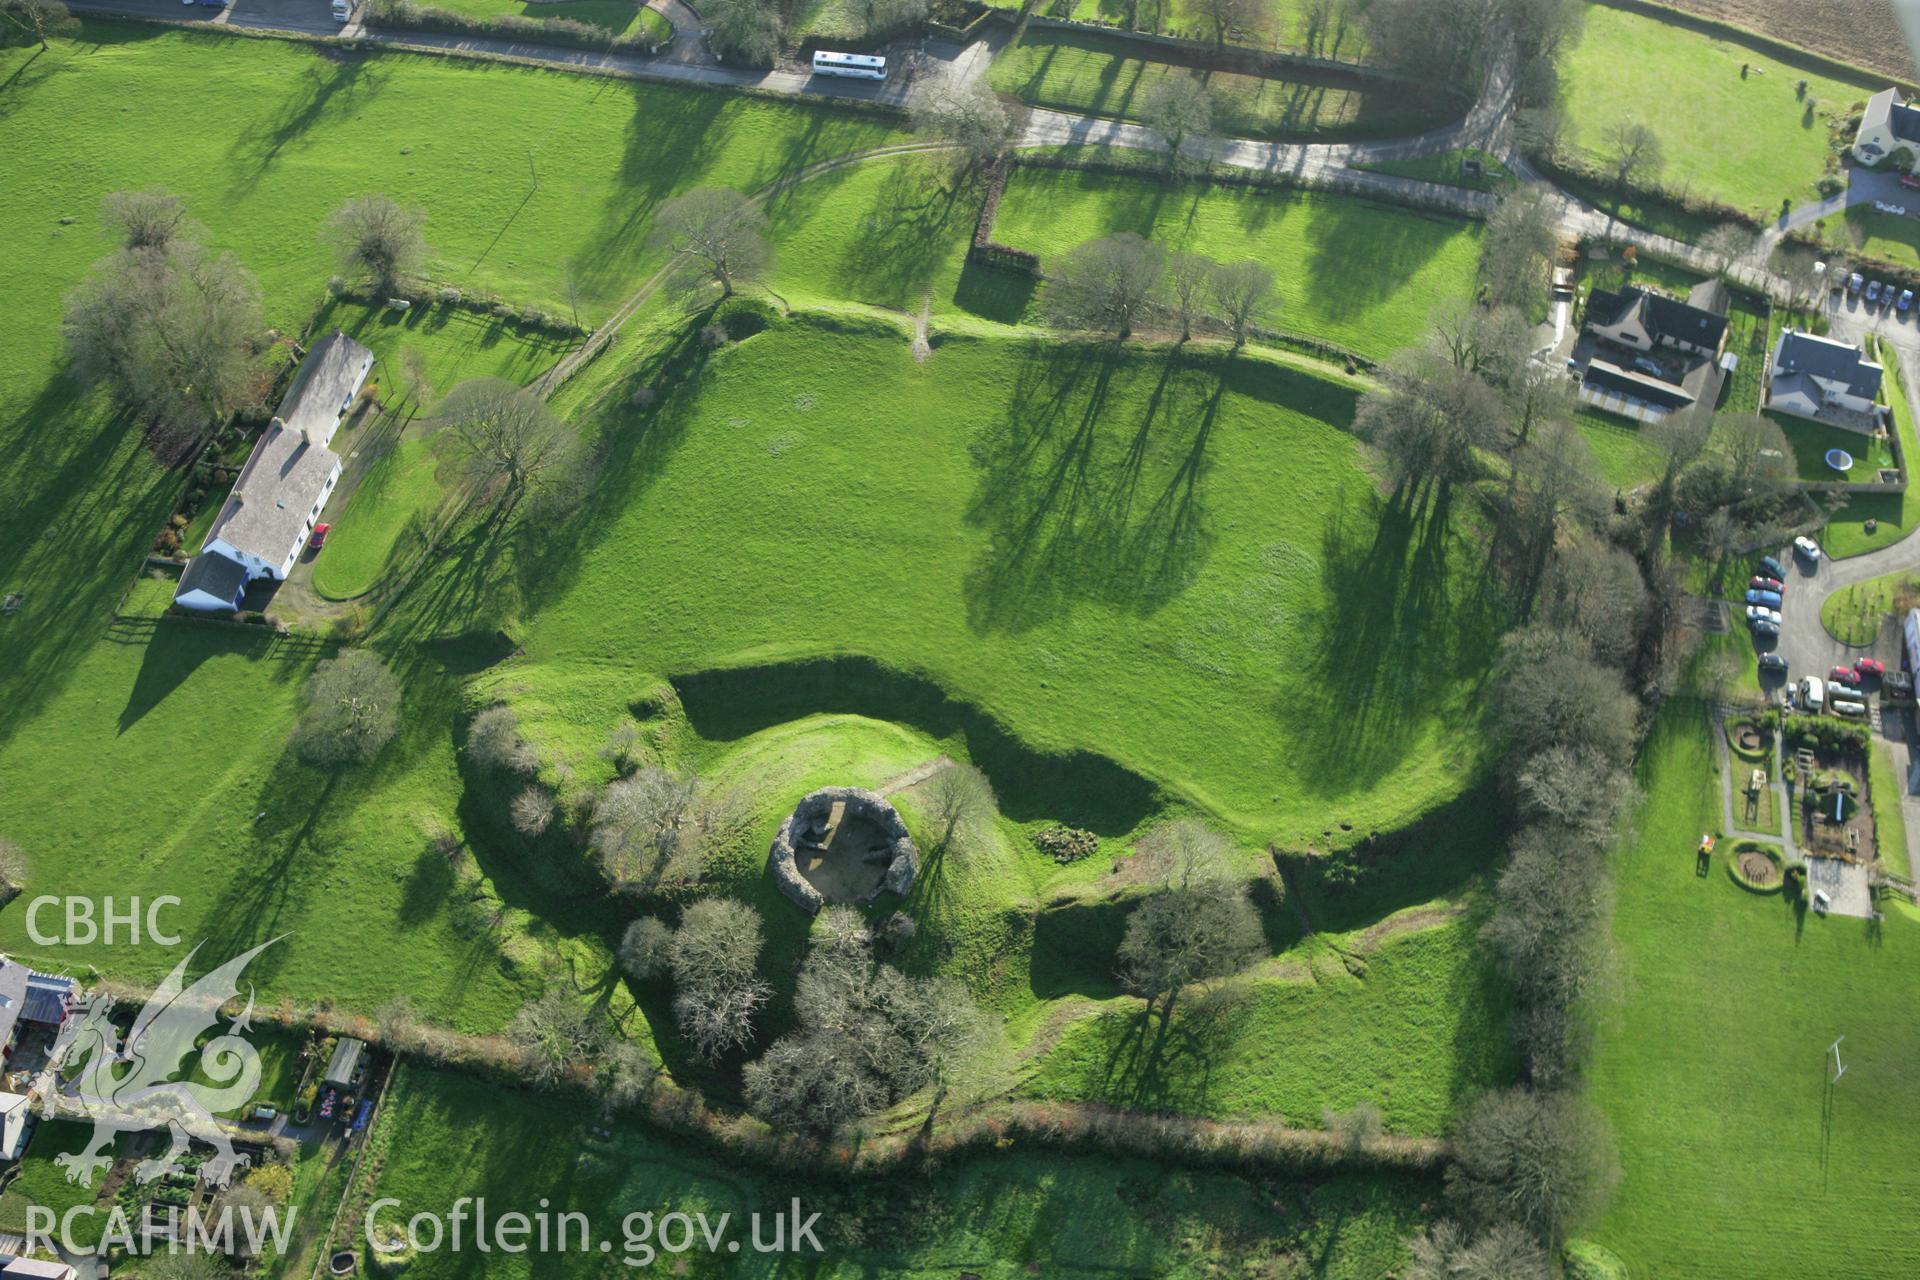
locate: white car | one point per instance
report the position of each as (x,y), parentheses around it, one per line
(1849,708)
(1807,547)
(1760,613)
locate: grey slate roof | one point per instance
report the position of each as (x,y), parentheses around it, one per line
(1796,393)
(1888,107)
(1611,377)
(266,514)
(1807,353)
(1660,315)
(219,576)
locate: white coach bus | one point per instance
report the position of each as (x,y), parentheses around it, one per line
(859,66)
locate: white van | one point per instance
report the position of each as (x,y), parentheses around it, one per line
(343,10)
(1813,693)
(856,66)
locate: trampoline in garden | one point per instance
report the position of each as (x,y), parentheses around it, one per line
(1839,459)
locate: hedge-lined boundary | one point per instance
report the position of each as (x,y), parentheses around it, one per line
(404,15)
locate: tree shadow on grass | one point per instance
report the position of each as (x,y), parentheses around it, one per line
(1081,504)
(176,648)
(1401,636)
(915,224)
(334,83)
(1163,1059)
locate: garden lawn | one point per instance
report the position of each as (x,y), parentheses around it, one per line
(1003,1216)
(1810,442)
(399,493)
(1624,459)
(1711,1062)
(1361,274)
(42,1182)
(1895,513)
(1745,140)
(1005,519)
(1869,233)
(1100,75)
(1856,614)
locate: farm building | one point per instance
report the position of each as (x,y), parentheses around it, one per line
(1888,124)
(285,483)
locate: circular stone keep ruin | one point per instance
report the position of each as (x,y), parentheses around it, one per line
(842,844)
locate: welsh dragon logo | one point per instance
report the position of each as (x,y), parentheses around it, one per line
(131,1087)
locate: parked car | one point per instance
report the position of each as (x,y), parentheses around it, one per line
(1873,291)
(1649,367)
(1760,582)
(1807,547)
(1848,707)
(1854,282)
(1760,613)
(1765,630)
(1770,599)
(319,538)
(1897,687)
(264,1112)
(1844,675)
(1869,667)
(1772,568)
(1773,662)
(1910,182)
(1905,301)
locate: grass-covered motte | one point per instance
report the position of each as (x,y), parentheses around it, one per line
(1363,274)
(1746,138)
(1105,76)
(1708,1061)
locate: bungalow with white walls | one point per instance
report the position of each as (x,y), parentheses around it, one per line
(1889,123)
(285,484)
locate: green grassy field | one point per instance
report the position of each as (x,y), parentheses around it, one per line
(1165,559)
(1361,274)
(285,131)
(398,492)
(1889,820)
(1100,75)
(1710,1060)
(1010,1214)
(1863,230)
(1746,140)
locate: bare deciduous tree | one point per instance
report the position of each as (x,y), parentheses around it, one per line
(532,810)
(714,234)
(353,710)
(877,17)
(494,741)
(510,441)
(961,798)
(1549,692)
(1105,284)
(1633,149)
(1726,244)
(1503,1252)
(646,949)
(172,333)
(377,236)
(745,31)
(1242,18)
(1197,925)
(1242,292)
(24,22)
(657,827)
(1428,417)
(948,106)
(148,219)
(556,1033)
(1543,1161)
(1518,250)
(1179,107)
(13,870)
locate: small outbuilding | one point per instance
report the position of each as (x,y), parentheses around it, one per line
(344,1066)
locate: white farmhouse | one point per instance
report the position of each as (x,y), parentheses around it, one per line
(1889,123)
(285,483)
(1823,379)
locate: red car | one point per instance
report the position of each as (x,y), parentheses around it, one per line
(1844,675)
(1870,666)
(1765,584)
(319,538)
